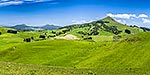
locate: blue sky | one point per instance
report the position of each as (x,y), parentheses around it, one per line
(66,12)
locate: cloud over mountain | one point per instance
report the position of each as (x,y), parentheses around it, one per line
(127,16)
(131,19)
(146,20)
(142,16)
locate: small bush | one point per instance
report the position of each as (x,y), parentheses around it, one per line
(127,31)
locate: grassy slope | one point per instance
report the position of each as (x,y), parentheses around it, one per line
(108,57)
(3,30)
(10,40)
(102,33)
(130,56)
(7,68)
(122,27)
(65,53)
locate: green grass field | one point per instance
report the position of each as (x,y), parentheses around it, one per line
(7,68)
(81,54)
(129,56)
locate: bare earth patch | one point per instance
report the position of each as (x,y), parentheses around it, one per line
(68,37)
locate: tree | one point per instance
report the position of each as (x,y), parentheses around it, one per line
(27,40)
(127,31)
(42,36)
(53,32)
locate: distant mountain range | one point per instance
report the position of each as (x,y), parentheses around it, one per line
(32,28)
(104,26)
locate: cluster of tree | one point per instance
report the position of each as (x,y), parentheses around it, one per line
(145,29)
(84,25)
(112,29)
(95,30)
(12,31)
(51,36)
(28,39)
(57,33)
(66,30)
(42,37)
(87,38)
(82,32)
(134,26)
(0,33)
(102,22)
(96,27)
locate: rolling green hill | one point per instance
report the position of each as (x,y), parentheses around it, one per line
(127,56)
(3,30)
(132,52)
(8,40)
(100,29)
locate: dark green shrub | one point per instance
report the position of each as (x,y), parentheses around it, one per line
(127,31)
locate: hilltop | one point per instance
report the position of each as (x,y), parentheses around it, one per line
(100,30)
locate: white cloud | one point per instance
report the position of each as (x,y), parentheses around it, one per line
(131,19)
(145,20)
(11,3)
(80,21)
(18,2)
(142,16)
(125,16)
(119,21)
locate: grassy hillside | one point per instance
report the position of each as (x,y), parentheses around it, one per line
(3,30)
(106,27)
(132,52)
(122,27)
(128,56)
(7,68)
(8,40)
